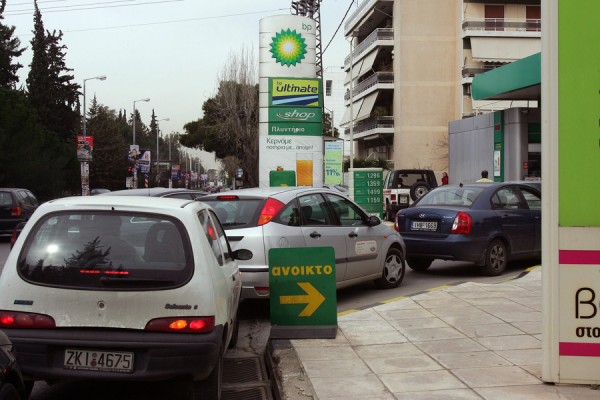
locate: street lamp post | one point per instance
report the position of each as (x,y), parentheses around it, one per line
(85,169)
(157,157)
(351,103)
(135,167)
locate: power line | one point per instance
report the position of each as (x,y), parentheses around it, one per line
(39,2)
(339,26)
(167,22)
(83,7)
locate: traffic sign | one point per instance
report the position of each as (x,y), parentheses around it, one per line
(302,292)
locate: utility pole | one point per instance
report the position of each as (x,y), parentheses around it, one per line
(312,9)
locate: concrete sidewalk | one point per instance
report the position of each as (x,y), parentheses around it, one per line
(471,341)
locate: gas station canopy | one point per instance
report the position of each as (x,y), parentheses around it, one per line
(519,80)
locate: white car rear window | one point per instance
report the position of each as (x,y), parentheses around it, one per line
(107,251)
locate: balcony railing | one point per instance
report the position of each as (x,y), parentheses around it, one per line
(377,34)
(375,79)
(472,70)
(362,8)
(371,124)
(502,24)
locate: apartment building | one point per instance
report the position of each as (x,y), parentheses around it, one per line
(411,70)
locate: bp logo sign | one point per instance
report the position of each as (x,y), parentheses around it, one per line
(288,47)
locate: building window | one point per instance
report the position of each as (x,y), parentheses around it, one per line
(533,14)
(328,84)
(494,17)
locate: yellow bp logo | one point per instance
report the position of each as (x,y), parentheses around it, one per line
(288,47)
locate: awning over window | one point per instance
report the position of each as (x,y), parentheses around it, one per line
(355,109)
(495,49)
(367,107)
(355,71)
(367,64)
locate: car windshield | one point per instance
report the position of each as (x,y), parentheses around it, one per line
(106,251)
(451,196)
(235,213)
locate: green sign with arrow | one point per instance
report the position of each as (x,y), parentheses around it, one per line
(302,289)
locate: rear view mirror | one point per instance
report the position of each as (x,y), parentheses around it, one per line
(374,220)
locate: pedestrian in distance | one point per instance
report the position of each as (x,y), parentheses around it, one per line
(445,178)
(484,177)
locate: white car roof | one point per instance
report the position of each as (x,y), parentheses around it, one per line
(166,205)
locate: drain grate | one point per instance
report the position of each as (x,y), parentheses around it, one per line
(253,393)
(245,379)
(243,370)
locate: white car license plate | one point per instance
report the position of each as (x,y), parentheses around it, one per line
(93,360)
(424,226)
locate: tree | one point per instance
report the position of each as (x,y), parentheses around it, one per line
(55,99)
(108,168)
(230,123)
(9,50)
(35,159)
(327,123)
(50,86)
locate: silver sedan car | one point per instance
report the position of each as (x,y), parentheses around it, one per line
(261,219)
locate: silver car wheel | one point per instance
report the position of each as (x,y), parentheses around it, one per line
(393,270)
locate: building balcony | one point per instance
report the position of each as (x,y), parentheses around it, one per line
(470,70)
(379,37)
(373,126)
(379,80)
(368,15)
(501,27)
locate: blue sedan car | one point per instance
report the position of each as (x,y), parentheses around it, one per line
(486,223)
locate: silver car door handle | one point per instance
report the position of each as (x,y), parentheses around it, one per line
(315,234)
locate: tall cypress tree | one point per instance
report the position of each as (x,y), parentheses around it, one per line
(55,99)
(50,86)
(9,50)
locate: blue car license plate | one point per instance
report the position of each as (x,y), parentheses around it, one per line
(423,226)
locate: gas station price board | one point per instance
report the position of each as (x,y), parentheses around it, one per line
(367,189)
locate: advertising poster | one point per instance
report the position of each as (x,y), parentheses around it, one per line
(301,154)
(85,148)
(143,162)
(333,161)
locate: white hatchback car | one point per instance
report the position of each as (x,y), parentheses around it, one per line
(122,288)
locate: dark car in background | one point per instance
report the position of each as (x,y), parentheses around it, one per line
(16,206)
(12,386)
(485,223)
(159,192)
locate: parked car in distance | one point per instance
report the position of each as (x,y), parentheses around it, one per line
(96,191)
(12,386)
(16,205)
(106,288)
(181,193)
(280,217)
(486,223)
(402,187)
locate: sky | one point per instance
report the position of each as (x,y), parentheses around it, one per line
(170,51)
